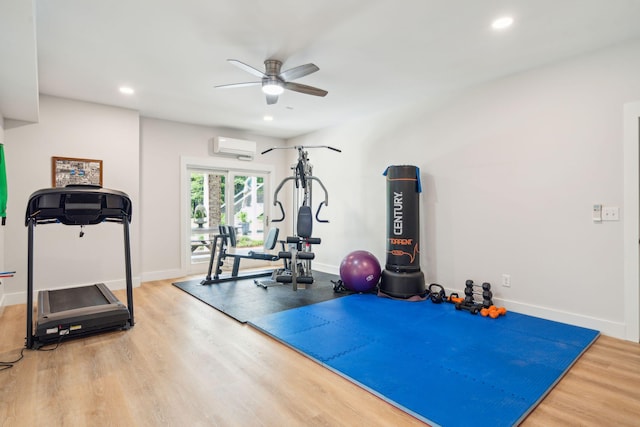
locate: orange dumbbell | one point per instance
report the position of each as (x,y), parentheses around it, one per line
(493,312)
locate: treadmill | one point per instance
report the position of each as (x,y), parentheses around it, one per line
(84,310)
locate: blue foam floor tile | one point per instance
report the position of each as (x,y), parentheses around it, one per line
(444,366)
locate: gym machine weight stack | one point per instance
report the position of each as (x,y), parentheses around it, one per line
(402,277)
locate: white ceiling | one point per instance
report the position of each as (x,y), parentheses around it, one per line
(373,55)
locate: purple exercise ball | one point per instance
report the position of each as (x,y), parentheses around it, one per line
(360,271)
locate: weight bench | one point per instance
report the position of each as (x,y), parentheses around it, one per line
(227,238)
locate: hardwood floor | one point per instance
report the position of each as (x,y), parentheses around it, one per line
(186,364)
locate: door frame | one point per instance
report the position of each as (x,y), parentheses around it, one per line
(219,163)
(632,221)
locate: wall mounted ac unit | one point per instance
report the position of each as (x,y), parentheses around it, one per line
(242,149)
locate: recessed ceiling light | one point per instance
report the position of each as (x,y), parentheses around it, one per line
(126,90)
(267,118)
(502,23)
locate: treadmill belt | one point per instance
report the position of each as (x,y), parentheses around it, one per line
(72,298)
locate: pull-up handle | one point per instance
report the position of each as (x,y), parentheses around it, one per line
(318,213)
(325,202)
(277,202)
(275,197)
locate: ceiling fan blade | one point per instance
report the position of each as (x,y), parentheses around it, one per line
(272,99)
(309,90)
(297,72)
(233,85)
(247,68)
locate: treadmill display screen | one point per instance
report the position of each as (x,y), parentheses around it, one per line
(75,202)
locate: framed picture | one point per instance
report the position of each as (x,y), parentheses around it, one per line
(69,170)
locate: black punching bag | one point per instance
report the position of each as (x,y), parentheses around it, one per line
(401,277)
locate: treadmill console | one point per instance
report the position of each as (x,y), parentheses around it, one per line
(78,205)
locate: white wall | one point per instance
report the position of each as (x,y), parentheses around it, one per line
(2,240)
(632,210)
(70,129)
(510,172)
(163,143)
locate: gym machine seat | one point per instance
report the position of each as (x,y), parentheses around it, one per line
(74,312)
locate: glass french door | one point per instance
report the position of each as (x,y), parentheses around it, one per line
(226,197)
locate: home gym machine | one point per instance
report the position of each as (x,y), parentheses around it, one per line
(74,312)
(297,254)
(227,238)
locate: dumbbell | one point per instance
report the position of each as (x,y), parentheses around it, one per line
(472,307)
(486,286)
(493,312)
(470,291)
(485,294)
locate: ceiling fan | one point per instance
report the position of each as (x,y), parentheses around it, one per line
(274,82)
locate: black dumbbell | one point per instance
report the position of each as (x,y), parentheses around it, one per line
(485,294)
(471,307)
(486,286)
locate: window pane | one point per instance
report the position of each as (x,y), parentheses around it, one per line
(249,210)
(207,211)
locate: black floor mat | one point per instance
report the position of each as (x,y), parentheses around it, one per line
(244,300)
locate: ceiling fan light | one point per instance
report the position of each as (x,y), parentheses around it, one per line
(126,90)
(502,23)
(272,89)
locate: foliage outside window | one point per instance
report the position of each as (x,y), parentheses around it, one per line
(247,242)
(243,217)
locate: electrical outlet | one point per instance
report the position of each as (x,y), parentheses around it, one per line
(610,213)
(506,280)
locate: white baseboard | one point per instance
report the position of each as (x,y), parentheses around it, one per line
(325,268)
(606,327)
(21,297)
(162,275)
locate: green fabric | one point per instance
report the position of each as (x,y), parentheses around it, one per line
(3,185)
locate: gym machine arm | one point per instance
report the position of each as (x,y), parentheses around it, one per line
(300,146)
(277,202)
(326,198)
